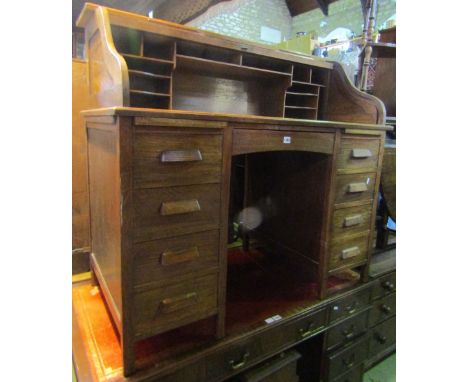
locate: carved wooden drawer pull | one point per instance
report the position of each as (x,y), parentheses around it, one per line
(181,156)
(180,207)
(350,252)
(169,305)
(361,153)
(357,187)
(350,221)
(176,257)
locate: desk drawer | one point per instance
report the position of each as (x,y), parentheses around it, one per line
(354,375)
(160,262)
(347,330)
(384,286)
(168,212)
(382,336)
(343,361)
(349,305)
(248,141)
(347,252)
(358,153)
(351,220)
(383,309)
(236,358)
(296,331)
(171,306)
(354,188)
(281,368)
(164,159)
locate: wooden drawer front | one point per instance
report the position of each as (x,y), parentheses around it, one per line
(347,330)
(351,220)
(248,141)
(168,307)
(344,360)
(296,331)
(358,153)
(347,252)
(384,286)
(281,368)
(383,309)
(234,359)
(354,188)
(162,261)
(382,336)
(167,212)
(163,159)
(354,375)
(349,305)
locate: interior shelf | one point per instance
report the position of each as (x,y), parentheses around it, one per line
(307,83)
(149,59)
(144,92)
(303,94)
(147,74)
(300,107)
(203,65)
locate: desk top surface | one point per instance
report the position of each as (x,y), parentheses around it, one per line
(235,118)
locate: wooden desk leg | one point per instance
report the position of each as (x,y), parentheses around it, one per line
(128,348)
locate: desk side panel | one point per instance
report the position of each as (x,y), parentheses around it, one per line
(105,211)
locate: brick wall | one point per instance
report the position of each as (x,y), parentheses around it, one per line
(244,18)
(342,13)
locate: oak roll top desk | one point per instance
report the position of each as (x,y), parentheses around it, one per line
(229,182)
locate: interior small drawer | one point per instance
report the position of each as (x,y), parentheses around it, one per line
(164,308)
(384,286)
(160,262)
(354,188)
(347,306)
(346,359)
(347,330)
(351,220)
(383,309)
(358,153)
(382,336)
(164,159)
(173,211)
(348,251)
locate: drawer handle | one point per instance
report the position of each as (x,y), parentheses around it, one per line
(180,207)
(388,286)
(350,221)
(307,332)
(361,153)
(349,333)
(380,338)
(237,365)
(176,257)
(169,305)
(171,156)
(352,308)
(349,363)
(350,252)
(354,188)
(385,308)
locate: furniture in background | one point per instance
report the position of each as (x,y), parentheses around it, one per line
(190,133)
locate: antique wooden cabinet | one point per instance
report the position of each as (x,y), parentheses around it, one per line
(231,186)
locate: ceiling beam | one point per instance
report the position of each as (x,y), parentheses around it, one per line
(323,4)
